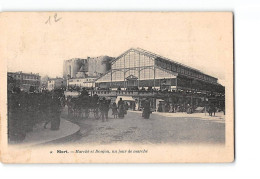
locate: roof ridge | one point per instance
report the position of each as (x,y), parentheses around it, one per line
(169,60)
(140,50)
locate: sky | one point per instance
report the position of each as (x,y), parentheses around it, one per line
(40,42)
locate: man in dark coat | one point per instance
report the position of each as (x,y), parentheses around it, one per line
(47,101)
(146,109)
(55,110)
(16,115)
(104,108)
(160,107)
(121,108)
(120,102)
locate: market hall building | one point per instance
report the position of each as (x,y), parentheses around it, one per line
(138,69)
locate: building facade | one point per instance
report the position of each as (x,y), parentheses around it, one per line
(138,68)
(141,74)
(133,70)
(24,81)
(56,83)
(86,82)
(80,68)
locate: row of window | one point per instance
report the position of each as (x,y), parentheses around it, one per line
(133,59)
(183,70)
(187,83)
(145,74)
(29,82)
(142,83)
(25,76)
(81,80)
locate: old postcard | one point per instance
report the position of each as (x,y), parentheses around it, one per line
(116,87)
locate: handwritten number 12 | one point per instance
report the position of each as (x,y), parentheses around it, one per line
(55,18)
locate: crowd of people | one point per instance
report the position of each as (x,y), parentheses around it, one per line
(81,105)
(27,109)
(210,108)
(99,106)
(104,105)
(173,108)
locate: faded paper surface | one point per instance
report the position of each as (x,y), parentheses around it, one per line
(40,41)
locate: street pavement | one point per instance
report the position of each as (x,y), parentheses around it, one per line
(178,128)
(40,136)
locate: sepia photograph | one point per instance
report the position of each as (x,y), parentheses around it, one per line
(117,87)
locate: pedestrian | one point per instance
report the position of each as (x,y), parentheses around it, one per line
(120,102)
(47,102)
(188,109)
(55,110)
(173,108)
(84,100)
(214,110)
(146,109)
(114,110)
(210,110)
(163,107)
(160,107)
(104,108)
(17,115)
(134,106)
(167,107)
(126,106)
(121,108)
(31,111)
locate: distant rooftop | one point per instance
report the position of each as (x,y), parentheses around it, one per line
(20,72)
(91,58)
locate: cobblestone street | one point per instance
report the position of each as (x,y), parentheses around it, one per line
(160,128)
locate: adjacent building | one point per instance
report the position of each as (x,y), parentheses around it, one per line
(84,72)
(80,68)
(56,83)
(87,82)
(44,83)
(25,81)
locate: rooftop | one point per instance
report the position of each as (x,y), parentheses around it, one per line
(20,72)
(151,54)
